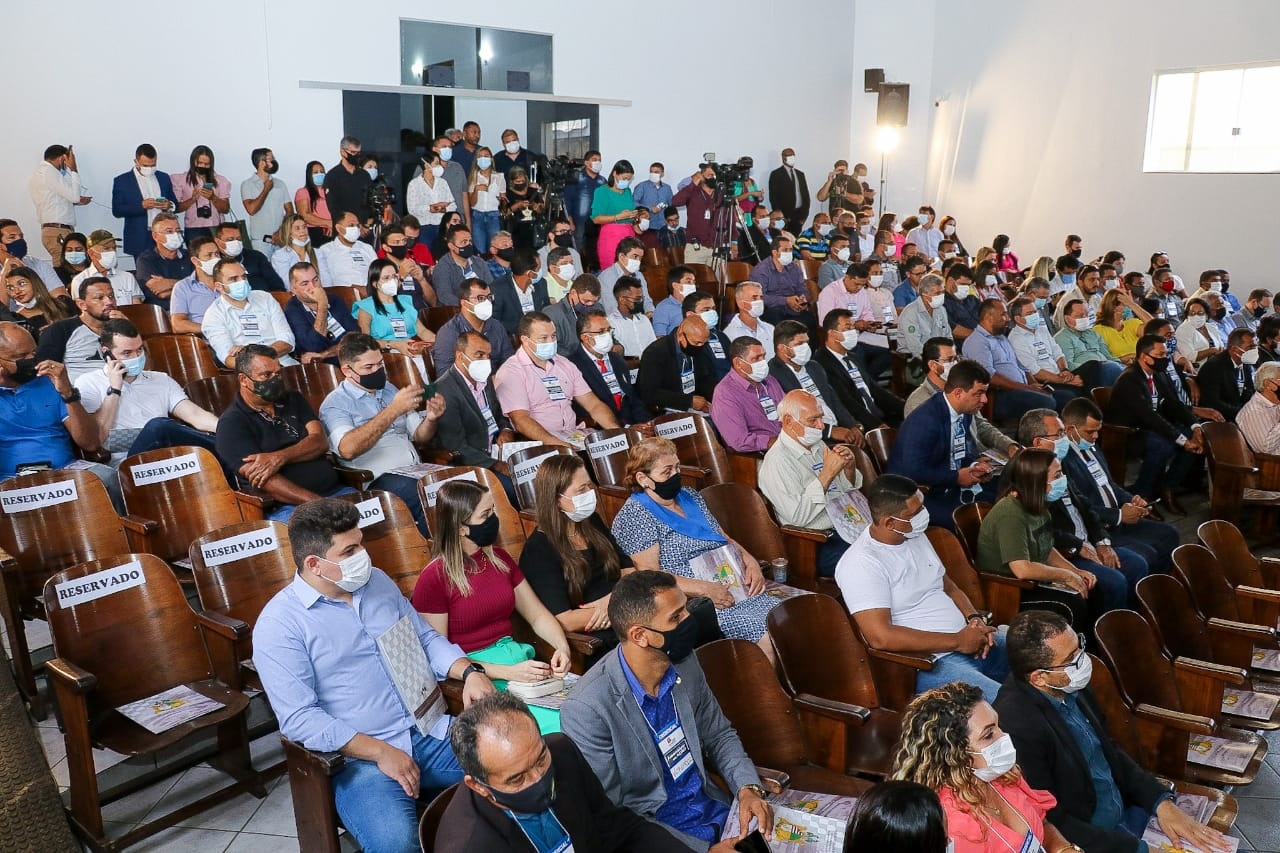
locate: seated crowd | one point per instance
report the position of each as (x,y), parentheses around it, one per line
(873,366)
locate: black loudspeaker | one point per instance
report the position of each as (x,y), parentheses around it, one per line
(871,79)
(891,106)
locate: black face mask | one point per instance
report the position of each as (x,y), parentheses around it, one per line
(535,799)
(398,252)
(507,255)
(679,642)
(468,251)
(24,370)
(1159,365)
(691,350)
(272,168)
(271,389)
(1075,253)
(1259,311)
(1219,313)
(352,157)
(668,488)
(564,241)
(375,381)
(485,533)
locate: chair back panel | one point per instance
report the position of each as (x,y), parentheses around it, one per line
(186,358)
(811,267)
(186,505)
(1166,605)
(313,381)
(281,297)
(956,561)
(745,517)
(760,711)
(510,531)
(608,450)
(438,315)
(1142,672)
(240,586)
(391,537)
(865,465)
(1201,573)
(81,525)
(695,441)
(137,640)
(879,443)
(1119,718)
(348,293)
(524,469)
(736,272)
(215,393)
(841,672)
(149,319)
(968,521)
(401,371)
(1232,552)
(429,824)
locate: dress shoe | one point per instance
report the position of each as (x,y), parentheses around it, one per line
(1171,503)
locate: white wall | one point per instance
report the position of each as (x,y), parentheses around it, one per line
(133,76)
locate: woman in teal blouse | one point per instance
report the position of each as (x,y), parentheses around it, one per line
(612,208)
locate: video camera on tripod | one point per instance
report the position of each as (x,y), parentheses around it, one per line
(555,173)
(727,174)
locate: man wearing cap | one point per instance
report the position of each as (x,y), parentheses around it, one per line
(102,262)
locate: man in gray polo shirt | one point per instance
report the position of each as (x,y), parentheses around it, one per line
(266,199)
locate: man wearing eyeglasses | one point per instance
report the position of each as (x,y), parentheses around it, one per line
(476,315)
(1104,799)
(604,369)
(346,185)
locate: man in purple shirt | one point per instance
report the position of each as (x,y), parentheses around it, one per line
(744,407)
(785,295)
(700,200)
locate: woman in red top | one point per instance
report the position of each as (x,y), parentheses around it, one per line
(1006,260)
(951,741)
(470,589)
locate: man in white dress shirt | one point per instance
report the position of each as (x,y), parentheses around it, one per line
(55,192)
(101,249)
(346,258)
(241,316)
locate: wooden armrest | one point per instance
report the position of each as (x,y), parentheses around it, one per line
(71,676)
(584,644)
(1270,596)
(919,662)
(255,498)
(529,515)
(698,473)
(311,760)
(623,492)
(806,533)
(223,625)
(1006,580)
(1223,465)
(1216,671)
(438,456)
(356,478)
(841,712)
(138,524)
(1190,723)
(772,780)
(1242,629)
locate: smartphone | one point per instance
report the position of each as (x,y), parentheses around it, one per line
(753,843)
(208,185)
(429,391)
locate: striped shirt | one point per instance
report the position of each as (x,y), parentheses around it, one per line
(1259,420)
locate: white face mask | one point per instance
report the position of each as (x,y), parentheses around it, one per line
(483,310)
(480,369)
(206,267)
(389,287)
(919,524)
(924,219)
(992,281)
(643,223)
(1080,324)
(1197,321)
(583,505)
(784,258)
(655,177)
(1249,356)
(802,353)
(373,174)
(594,165)
(790,159)
(962,291)
(890,250)
(632,266)
(1000,757)
(683,290)
(812,435)
(842,255)
(28,305)
(356,570)
(300,243)
(565,271)
(1078,676)
(756,309)
(146,171)
(437,171)
(950,230)
(937,300)
(946,369)
(234,248)
(711,318)
(876,280)
(108,260)
(825,228)
(602,342)
(849,338)
(351,233)
(513,147)
(759,370)
(1215,288)
(173,241)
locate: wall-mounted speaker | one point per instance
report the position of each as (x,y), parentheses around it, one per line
(891,106)
(871,79)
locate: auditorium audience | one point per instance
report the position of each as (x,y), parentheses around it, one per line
(627,258)
(521,290)
(749,299)
(583,296)
(681,282)
(194,294)
(793,367)
(162,265)
(74,341)
(266,199)
(258,269)
(1017,391)
(318,318)
(851,378)
(925,317)
(1226,380)
(604,369)
(242,316)
(1198,339)
(631,327)
(1038,353)
(1120,322)
(1259,418)
(33,307)
(1086,354)
(75,257)
(676,372)
(346,259)
(204,196)
(744,406)
(703,305)
(897,816)
(390,318)
(138,197)
(475,314)
(102,256)
(1257,306)
(455,266)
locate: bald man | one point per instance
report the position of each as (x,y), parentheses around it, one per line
(676,371)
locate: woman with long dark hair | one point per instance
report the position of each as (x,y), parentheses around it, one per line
(1006,260)
(897,816)
(391,317)
(204,196)
(612,208)
(313,206)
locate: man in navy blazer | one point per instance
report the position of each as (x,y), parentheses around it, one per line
(612,383)
(507,305)
(1124,514)
(937,447)
(128,201)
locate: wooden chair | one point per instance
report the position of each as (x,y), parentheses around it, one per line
(655,282)
(1122,727)
(238,587)
(349,293)
(511,533)
(214,393)
(281,297)
(401,371)
(608,449)
(744,515)
(391,537)
(181,509)
(80,524)
(811,267)
(702,456)
(1228,544)
(583,647)
(728,304)
(656,258)
(1182,632)
(429,823)
(997,593)
(839,672)
(1113,438)
(1214,594)
(736,272)
(438,315)
(1147,679)
(524,468)
(313,381)
(765,718)
(186,358)
(744,468)
(100,643)
(968,521)
(1233,469)
(879,443)
(149,319)
(706,278)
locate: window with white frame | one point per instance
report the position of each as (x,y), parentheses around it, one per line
(571,138)
(1215,120)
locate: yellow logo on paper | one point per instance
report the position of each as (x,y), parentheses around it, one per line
(785,830)
(1201,746)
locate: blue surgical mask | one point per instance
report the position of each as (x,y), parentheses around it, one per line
(1084,445)
(238,290)
(545,351)
(1068,278)
(134,366)
(1041,301)
(623,183)
(73,258)
(1033,321)
(1061,447)
(484,162)
(1057,489)
(1127,314)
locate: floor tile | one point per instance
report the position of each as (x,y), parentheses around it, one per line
(55,745)
(275,816)
(186,839)
(102,759)
(197,782)
(1257,822)
(133,808)
(266,751)
(252,842)
(1265,786)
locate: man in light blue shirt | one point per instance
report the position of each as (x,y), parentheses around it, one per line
(667,314)
(331,687)
(1017,393)
(654,195)
(1087,355)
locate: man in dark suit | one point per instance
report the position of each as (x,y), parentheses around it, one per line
(789,192)
(605,370)
(793,367)
(520,786)
(257,268)
(1104,798)
(1226,379)
(1125,515)
(1144,398)
(317,317)
(521,290)
(676,372)
(128,202)
(467,428)
(703,304)
(936,445)
(851,378)
(583,295)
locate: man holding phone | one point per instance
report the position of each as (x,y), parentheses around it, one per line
(785,294)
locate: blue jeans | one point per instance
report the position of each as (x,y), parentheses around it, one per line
(484,224)
(377,811)
(1154,541)
(284,512)
(1012,404)
(405,488)
(984,673)
(1164,464)
(166,432)
(428,234)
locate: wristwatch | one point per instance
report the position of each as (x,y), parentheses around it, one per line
(471,667)
(758,790)
(111,391)
(73,397)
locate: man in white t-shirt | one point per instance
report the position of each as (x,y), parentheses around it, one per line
(895,586)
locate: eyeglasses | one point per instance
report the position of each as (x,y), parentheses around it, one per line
(1073,664)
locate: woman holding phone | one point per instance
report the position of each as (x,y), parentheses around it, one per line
(204,196)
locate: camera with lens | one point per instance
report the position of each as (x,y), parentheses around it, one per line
(727,173)
(378,196)
(558,171)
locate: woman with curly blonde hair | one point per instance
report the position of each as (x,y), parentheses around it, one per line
(952,742)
